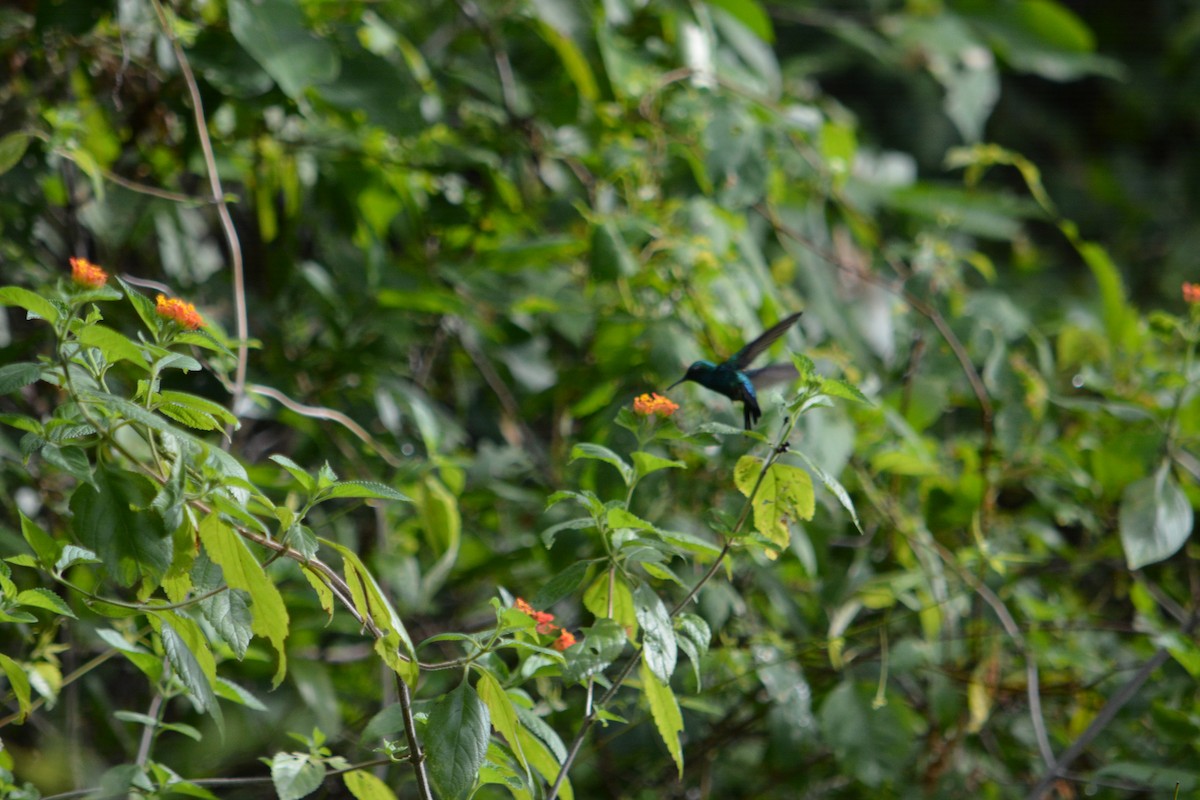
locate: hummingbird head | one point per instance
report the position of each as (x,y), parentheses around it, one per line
(695,372)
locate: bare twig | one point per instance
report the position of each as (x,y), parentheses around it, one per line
(218,193)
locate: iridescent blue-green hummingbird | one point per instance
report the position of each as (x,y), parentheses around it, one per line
(732,378)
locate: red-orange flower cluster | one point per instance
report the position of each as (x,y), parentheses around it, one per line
(648,404)
(546,626)
(183,313)
(1191,293)
(85,273)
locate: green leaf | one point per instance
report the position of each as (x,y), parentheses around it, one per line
(200,405)
(393,645)
(595,600)
(275,33)
(658,634)
(618,518)
(548,536)
(560,585)
(611,257)
(191,659)
(361,489)
(115,346)
(601,645)
(785,491)
(503,712)
(1155,519)
(456,740)
(17,376)
(835,487)
(296,775)
(110,518)
(646,463)
(876,745)
(242,571)
(835,387)
(35,304)
(365,786)
(12,150)
(18,681)
(302,477)
(540,757)
(44,546)
(749,13)
(601,453)
(665,711)
(46,599)
(693,639)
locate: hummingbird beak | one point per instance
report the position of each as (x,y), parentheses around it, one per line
(676,383)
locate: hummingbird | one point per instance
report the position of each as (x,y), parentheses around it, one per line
(732,378)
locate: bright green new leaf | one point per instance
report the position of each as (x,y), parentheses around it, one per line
(596,600)
(645,463)
(785,492)
(365,786)
(18,681)
(115,346)
(503,713)
(665,711)
(601,453)
(242,571)
(33,303)
(18,376)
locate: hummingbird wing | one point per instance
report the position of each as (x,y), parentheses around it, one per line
(744,357)
(771,375)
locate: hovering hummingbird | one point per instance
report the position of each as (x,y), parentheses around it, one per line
(732,378)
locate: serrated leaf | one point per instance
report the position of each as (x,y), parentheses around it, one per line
(242,571)
(361,489)
(45,599)
(297,472)
(601,645)
(19,375)
(540,757)
(115,346)
(835,487)
(552,532)
(33,303)
(295,775)
(503,713)
(646,463)
(190,658)
(693,637)
(658,634)
(199,404)
(197,420)
(561,585)
(18,681)
(456,738)
(618,517)
(365,786)
(596,600)
(394,645)
(665,711)
(600,453)
(44,546)
(835,387)
(785,492)
(108,518)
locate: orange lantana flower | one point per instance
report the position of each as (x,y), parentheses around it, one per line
(648,404)
(1191,293)
(183,313)
(544,619)
(85,273)
(565,639)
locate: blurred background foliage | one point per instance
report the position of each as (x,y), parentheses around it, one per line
(479,229)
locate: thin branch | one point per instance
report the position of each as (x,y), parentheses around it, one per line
(1101,721)
(321,412)
(776,451)
(218,194)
